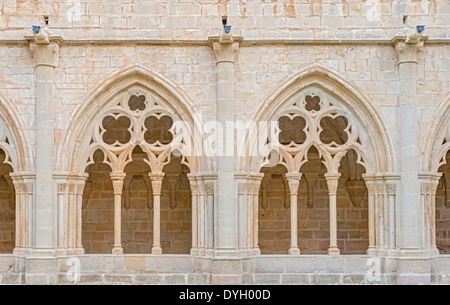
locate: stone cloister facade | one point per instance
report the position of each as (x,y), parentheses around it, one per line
(146,142)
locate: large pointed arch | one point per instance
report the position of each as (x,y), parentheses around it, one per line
(136,75)
(434,148)
(349,96)
(12,138)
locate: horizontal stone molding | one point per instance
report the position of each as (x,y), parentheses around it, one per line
(207,42)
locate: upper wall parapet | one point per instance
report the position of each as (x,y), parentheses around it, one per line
(259,19)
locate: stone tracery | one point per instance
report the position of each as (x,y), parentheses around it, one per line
(318,121)
(136,118)
(322,120)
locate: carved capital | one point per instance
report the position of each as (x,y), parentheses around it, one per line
(242,188)
(194,186)
(250,188)
(380,188)
(256,185)
(433,186)
(408,51)
(61,187)
(370,188)
(209,188)
(80,186)
(332,182)
(390,188)
(117,180)
(156,179)
(293,182)
(225,52)
(45,54)
(71,187)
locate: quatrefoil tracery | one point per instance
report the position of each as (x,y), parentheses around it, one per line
(7,146)
(322,120)
(445,148)
(132,122)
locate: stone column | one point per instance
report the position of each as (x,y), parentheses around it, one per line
(294,181)
(157,179)
(194,202)
(202,197)
(62,218)
(411,255)
(242,213)
(391,190)
(256,185)
(225,49)
(370,184)
(433,187)
(46,57)
(79,250)
(21,206)
(249,215)
(117,180)
(71,219)
(429,184)
(332,182)
(407,130)
(209,221)
(28,216)
(381,217)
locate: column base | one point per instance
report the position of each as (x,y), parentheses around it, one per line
(334,251)
(20,251)
(61,252)
(256,252)
(42,252)
(157,250)
(294,251)
(371,251)
(201,251)
(209,253)
(79,251)
(117,250)
(226,253)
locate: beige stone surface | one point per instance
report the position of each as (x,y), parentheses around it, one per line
(353,79)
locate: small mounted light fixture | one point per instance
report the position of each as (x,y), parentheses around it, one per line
(227,28)
(36,28)
(420,28)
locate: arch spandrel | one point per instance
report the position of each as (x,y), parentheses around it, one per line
(12,138)
(373,146)
(109,98)
(436,143)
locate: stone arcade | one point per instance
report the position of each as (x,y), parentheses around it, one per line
(144,143)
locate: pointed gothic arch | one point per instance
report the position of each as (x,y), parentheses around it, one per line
(133,94)
(436,143)
(18,177)
(142,79)
(346,95)
(12,138)
(316,94)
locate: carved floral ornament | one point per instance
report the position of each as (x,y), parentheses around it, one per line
(137,109)
(7,145)
(445,147)
(319,111)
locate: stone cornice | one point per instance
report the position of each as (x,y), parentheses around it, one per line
(212,39)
